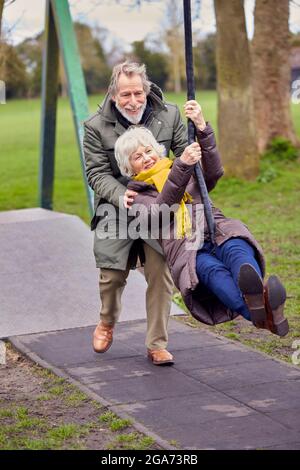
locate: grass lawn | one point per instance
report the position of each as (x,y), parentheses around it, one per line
(271,210)
(40,411)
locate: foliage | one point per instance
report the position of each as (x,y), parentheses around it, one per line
(156,63)
(271,210)
(266,173)
(167,69)
(30,52)
(295,39)
(12,72)
(93,60)
(22,67)
(280,149)
(205,63)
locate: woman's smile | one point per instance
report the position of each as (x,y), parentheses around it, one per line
(143,159)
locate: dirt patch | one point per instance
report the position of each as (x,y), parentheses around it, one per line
(39,410)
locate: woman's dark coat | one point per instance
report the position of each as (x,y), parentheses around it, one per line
(202,304)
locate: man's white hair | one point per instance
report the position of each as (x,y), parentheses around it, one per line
(129,142)
(128,69)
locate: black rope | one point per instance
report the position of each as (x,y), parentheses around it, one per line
(191,128)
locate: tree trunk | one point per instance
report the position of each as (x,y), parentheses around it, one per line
(271,71)
(175,57)
(2,46)
(237,141)
(173,36)
(1,12)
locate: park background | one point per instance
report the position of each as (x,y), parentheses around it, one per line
(265,195)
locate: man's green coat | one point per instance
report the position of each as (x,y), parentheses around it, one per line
(103,174)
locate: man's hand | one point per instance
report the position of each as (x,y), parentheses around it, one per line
(192,154)
(128,199)
(193,111)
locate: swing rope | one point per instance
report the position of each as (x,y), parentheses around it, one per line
(191,127)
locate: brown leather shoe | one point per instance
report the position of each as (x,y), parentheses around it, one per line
(102,337)
(265,303)
(160,357)
(252,289)
(275,297)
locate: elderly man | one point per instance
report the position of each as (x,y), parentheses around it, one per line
(131,99)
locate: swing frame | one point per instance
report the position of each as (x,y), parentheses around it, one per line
(60,37)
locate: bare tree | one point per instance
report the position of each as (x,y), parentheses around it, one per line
(173,37)
(271,71)
(235,104)
(2,44)
(1,13)
(4,3)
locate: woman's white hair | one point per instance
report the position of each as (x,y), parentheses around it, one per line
(129,142)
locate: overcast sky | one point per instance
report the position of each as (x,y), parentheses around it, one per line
(26,17)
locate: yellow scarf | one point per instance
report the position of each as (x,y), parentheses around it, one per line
(158,175)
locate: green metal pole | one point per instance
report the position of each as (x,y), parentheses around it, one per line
(49,105)
(61,30)
(76,83)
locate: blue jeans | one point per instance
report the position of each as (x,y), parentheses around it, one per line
(218,270)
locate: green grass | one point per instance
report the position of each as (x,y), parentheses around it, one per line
(272,212)
(24,431)
(23,428)
(34,434)
(6,413)
(107,417)
(75,398)
(269,206)
(131,441)
(19,154)
(66,431)
(59,388)
(115,423)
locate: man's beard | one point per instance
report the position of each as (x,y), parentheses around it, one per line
(133,119)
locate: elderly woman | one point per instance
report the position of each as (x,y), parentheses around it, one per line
(219,280)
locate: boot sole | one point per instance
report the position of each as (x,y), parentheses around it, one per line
(277,297)
(161,363)
(166,362)
(252,288)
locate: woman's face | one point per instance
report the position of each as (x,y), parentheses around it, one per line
(143,159)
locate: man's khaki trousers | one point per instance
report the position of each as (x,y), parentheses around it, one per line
(158,296)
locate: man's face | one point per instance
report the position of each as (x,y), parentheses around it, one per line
(131,98)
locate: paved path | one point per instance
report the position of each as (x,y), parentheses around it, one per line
(48,277)
(218,395)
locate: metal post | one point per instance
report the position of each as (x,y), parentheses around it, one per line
(60,35)
(49,106)
(75,79)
